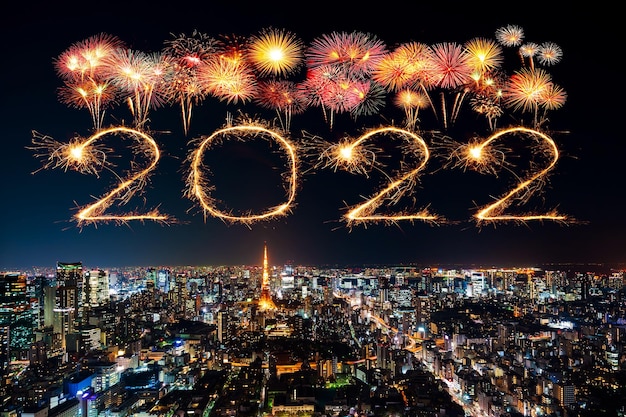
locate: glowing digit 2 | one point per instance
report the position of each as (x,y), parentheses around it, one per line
(348,156)
(125,190)
(493,212)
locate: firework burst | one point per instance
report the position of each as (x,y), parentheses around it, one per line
(282,96)
(188,53)
(275,52)
(228,79)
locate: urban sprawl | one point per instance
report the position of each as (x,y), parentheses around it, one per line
(309,341)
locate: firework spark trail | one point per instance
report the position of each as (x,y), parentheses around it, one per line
(200,189)
(188,53)
(282,96)
(82,67)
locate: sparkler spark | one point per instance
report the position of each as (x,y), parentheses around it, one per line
(199,187)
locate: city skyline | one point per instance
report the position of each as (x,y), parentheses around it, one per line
(38,229)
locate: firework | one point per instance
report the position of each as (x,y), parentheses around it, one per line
(452,65)
(529,89)
(89,94)
(371,98)
(85,59)
(141,79)
(511,35)
(411,102)
(549,53)
(282,96)
(228,79)
(83,68)
(275,52)
(184,87)
(346,72)
(485,55)
(358,52)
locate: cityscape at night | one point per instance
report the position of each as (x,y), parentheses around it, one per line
(289,340)
(329,210)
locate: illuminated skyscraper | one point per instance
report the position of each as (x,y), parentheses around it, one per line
(265,301)
(95,288)
(69,276)
(16,324)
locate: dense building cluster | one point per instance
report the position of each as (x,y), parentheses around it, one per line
(369,341)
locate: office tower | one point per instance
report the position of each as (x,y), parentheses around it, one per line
(222,326)
(69,279)
(16,324)
(34,293)
(265,301)
(95,289)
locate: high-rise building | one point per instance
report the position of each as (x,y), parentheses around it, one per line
(69,279)
(95,288)
(16,324)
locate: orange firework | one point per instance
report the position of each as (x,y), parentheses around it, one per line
(89,94)
(529,89)
(411,102)
(275,52)
(83,68)
(141,79)
(228,79)
(85,59)
(485,55)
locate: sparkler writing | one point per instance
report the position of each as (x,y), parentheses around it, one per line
(199,186)
(83,156)
(354,156)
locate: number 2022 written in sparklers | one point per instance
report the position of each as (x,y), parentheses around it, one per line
(353,155)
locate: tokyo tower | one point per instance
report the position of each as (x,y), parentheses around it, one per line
(265,301)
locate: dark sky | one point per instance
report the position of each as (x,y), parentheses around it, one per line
(37,208)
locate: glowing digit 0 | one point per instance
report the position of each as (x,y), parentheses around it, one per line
(199,187)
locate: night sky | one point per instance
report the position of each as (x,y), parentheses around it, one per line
(38,205)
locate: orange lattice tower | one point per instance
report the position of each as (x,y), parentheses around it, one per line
(265,301)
